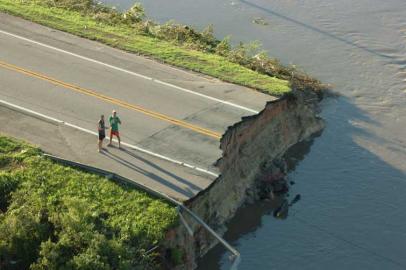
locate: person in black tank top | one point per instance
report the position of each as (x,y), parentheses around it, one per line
(102,132)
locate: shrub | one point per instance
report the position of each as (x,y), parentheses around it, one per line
(8,183)
(135,14)
(56,217)
(8,145)
(176,256)
(223,47)
(22,230)
(77,5)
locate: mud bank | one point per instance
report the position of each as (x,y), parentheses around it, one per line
(251,148)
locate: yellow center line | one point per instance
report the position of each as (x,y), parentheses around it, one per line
(112,100)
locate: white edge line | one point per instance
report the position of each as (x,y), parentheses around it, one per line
(131,73)
(94,133)
(205,96)
(31,111)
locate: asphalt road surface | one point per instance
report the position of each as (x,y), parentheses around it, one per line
(168,111)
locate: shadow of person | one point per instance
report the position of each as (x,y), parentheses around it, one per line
(152,176)
(153,165)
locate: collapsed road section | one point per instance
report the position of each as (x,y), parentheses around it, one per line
(250,147)
(195,139)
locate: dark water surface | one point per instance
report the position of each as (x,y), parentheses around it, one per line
(352,179)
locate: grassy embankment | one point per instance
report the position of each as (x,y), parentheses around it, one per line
(172,43)
(56,217)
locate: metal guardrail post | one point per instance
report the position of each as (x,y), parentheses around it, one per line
(184,222)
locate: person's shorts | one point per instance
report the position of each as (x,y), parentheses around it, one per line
(114,132)
(102,135)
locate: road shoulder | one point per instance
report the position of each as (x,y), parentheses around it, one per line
(174,180)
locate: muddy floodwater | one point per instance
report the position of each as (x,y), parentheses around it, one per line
(351,179)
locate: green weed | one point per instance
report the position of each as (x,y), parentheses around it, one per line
(56,217)
(172,43)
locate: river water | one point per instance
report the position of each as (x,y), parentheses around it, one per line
(352,179)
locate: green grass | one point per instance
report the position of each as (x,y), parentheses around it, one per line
(56,217)
(123,36)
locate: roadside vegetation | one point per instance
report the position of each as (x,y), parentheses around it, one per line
(56,217)
(172,43)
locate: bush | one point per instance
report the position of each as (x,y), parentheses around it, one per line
(22,230)
(76,5)
(135,14)
(223,47)
(176,256)
(56,217)
(8,145)
(8,183)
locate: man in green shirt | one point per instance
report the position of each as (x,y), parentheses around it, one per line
(114,122)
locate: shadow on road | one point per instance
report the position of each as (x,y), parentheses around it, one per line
(180,179)
(187,192)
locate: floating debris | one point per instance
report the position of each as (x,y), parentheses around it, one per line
(260,21)
(295,199)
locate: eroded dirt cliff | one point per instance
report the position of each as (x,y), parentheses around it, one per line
(251,147)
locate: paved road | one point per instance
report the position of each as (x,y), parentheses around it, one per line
(168,111)
(179,182)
